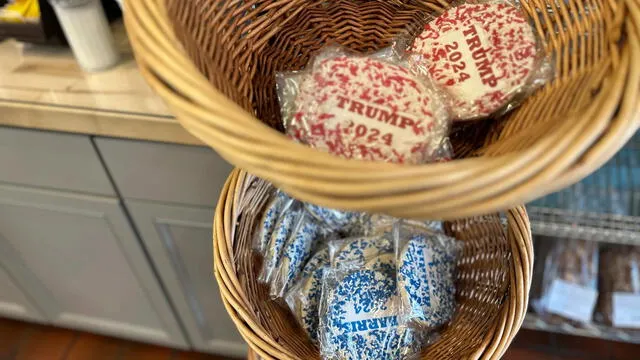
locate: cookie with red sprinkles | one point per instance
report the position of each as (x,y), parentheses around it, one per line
(365,108)
(480,55)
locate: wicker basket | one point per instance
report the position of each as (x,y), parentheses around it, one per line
(219,81)
(252,355)
(493,281)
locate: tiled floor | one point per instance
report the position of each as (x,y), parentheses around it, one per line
(539,345)
(26,341)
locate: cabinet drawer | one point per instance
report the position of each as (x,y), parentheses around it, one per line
(51,160)
(165,172)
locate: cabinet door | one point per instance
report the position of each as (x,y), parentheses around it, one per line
(14,302)
(168,173)
(179,240)
(88,267)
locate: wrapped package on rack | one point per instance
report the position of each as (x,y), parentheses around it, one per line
(619,298)
(570,282)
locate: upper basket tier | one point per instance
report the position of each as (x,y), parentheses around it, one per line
(214,63)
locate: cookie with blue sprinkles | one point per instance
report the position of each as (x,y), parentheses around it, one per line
(383,262)
(308,301)
(318,259)
(426,281)
(336,220)
(361,320)
(274,209)
(297,251)
(281,233)
(357,251)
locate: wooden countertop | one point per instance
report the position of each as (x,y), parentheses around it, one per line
(44,88)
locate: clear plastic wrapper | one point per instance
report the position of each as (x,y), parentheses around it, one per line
(354,253)
(277,205)
(282,230)
(377,223)
(570,282)
(483,57)
(336,221)
(304,297)
(362,251)
(426,265)
(364,107)
(303,240)
(358,316)
(619,296)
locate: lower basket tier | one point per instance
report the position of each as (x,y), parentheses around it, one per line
(493,281)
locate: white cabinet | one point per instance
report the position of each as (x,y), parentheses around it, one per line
(83,265)
(13,300)
(179,240)
(72,255)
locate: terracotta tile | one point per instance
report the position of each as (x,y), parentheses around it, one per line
(94,347)
(533,339)
(527,354)
(583,347)
(146,352)
(625,351)
(187,355)
(46,343)
(12,333)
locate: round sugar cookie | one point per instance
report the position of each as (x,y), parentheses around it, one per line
(279,237)
(358,251)
(383,262)
(309,301)
(336,220)
(270,217)
(364,108)
(318,259)
(295,254)
(426,282)
(480,55)
(361,319)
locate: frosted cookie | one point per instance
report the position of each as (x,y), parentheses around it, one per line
(358,251)
(307,293)
(318,259)
(364,108)
(269,218)
(384,262)
(480,55)
(295,254)
(425,225)
(309,301)
(361,319)
(282,231)
(426,282)
(379,223)
(336,220)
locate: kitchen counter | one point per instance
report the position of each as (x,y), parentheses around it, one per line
(44,88)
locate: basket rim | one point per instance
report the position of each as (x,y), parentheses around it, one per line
(495,342)
(459,188)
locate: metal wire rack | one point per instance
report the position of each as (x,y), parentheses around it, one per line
(603,207)
(535,322)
